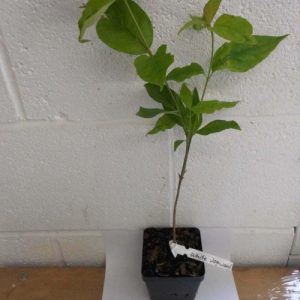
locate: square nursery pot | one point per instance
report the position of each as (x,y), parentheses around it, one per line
(166,277)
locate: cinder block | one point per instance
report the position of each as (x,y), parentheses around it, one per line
(92,82)
(27,250)
(81,249)
(243,179)
(79,81)
(296,246)
(69,177)
(294,261)
(261,247)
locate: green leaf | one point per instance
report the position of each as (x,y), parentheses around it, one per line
(121,32)
(181,74)
(177,144)
(211,9)
(153,69)
(196,122)
(149,113)
(162,96)
(218,126)
(243,57)
(92,12)
(176,119)
(196,98)
(211,106)
(196,22)
(164,123)
(234,29)
(186,96)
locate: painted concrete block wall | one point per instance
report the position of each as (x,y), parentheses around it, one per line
(75,160)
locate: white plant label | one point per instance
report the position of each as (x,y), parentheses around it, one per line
(200,256)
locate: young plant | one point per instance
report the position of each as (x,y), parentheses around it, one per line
(125,27)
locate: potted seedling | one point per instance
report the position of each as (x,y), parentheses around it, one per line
(125,27)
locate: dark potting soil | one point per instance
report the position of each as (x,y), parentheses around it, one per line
(158,260)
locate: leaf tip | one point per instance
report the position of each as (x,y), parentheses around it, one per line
(83,41)
(238,127)
(138,113)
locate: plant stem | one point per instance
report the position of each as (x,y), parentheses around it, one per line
(181,176)
(189,141)
(209,75)
(188,135)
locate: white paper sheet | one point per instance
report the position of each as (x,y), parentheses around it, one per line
(123,280)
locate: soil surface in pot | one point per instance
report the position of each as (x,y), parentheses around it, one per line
(158,260)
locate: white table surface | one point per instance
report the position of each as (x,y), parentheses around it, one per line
(123,279)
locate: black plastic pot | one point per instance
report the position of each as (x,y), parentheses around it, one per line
(166,277)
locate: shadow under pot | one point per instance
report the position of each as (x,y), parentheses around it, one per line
(167,277)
